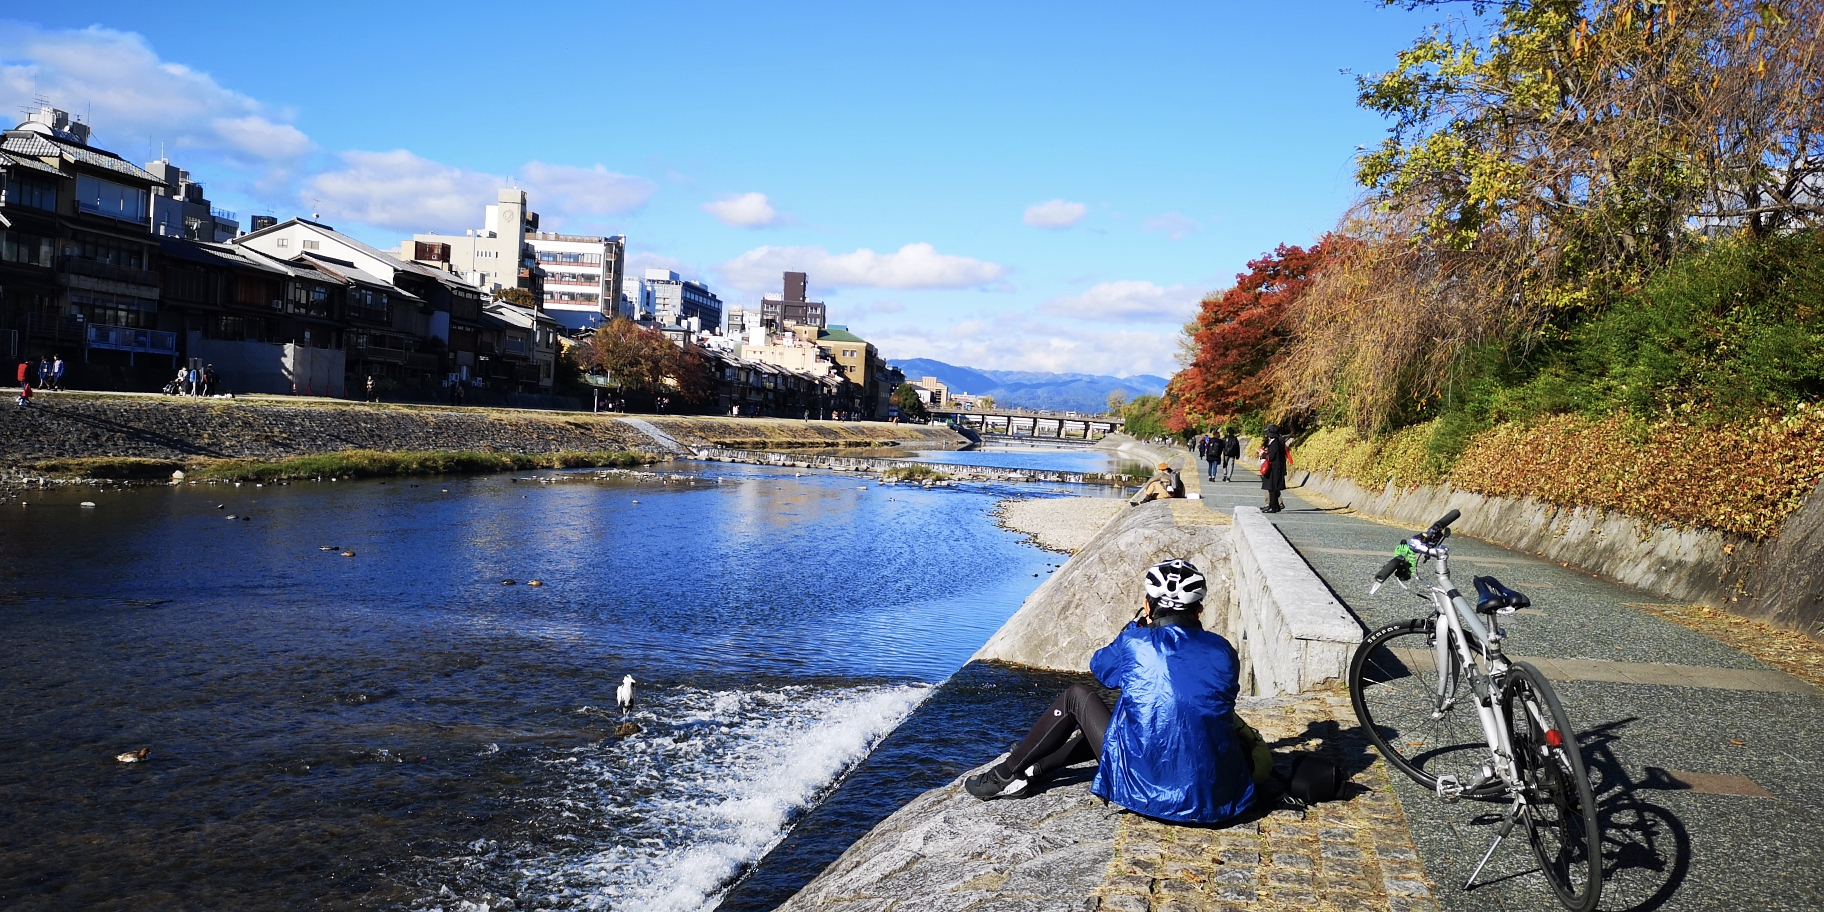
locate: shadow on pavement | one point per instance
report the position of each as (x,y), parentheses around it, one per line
(1646,850)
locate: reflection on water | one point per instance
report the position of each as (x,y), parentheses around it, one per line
(400,729)
(1036,456)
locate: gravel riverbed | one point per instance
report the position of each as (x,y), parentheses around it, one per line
(1058,523)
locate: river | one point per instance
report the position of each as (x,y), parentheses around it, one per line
(402,728)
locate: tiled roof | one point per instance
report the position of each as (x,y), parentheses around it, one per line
(26,143)
(91,157)
(30,164)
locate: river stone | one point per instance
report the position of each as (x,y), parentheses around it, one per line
(949,850)
(1082,606)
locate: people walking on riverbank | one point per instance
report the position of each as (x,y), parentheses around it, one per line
(1273,468)
(44,371)
(1209,451)
(56,373)
(1164,483)
(1168,748)
(1231,452)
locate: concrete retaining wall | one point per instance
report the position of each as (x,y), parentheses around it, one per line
(1083,605)
(1693,565)
(1297,636)
(871,464)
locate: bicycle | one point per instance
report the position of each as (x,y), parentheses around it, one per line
(1410,682)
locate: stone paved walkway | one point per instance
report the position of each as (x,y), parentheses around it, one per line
(1707,765)
(1351,855)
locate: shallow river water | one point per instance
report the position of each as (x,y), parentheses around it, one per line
(398,729)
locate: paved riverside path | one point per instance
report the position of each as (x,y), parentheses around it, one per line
(1659,708)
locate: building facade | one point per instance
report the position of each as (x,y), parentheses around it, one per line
(582,277)
(180,208)
(790,307)
(677,301)
(495,257)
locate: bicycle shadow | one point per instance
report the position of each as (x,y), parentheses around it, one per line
(1646,848)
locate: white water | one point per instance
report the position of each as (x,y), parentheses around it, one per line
(663,821)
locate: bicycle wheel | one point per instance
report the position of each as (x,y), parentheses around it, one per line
(1422,720)
(1560,812)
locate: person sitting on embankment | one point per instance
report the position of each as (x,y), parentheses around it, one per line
(1169,749)
(1164,483)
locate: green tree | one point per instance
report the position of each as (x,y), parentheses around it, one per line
(906,397)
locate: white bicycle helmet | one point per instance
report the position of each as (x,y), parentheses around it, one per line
(1175,585)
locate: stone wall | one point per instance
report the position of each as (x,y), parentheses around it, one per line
(1693,565)
(66,425)
(788,433)
(1295,636)
(1083,605)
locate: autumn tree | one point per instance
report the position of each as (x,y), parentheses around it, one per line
(1238,334)
(516,296)
(647,366)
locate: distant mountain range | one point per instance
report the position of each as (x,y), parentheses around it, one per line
(1033,390)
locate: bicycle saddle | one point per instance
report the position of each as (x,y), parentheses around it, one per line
(1494,598)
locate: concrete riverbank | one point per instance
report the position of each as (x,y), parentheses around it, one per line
(878,465)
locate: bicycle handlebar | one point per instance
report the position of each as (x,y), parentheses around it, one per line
(1388,569)
(1440,528)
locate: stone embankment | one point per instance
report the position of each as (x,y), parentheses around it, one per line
(64,426)
(786,433)
(876,465)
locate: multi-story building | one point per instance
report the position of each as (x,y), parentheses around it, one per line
(495,257)
(180,209)
(582,277)
(779,310)
(932,391)
(677,301)
(77,254)
(871,380)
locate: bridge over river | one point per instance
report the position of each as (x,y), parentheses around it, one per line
(1030,423)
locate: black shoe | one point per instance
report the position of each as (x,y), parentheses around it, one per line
(991,784)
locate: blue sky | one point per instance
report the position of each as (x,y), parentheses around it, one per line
(1014,186)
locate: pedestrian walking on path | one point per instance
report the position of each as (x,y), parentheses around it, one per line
(195,378)
(370,389)
(44,371)
(24,366)
(25,395)
(57,373)
(1231,451)
(1273,468)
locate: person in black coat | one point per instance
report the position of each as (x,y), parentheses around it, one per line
(1231,452)
(1274,479)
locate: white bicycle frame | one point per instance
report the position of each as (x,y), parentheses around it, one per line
(1454,616)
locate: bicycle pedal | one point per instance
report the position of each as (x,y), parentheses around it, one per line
(1450,788)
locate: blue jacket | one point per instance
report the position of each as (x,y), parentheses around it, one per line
(1171,751)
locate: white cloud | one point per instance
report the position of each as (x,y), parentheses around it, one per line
(1128,302)
(567,191)
(912,266)
(402,191)
(1171,224)
(1023,342)
(135,101)
(747,210)
(407,192)
(1055,214)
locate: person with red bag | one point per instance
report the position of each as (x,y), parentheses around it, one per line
(1274,461)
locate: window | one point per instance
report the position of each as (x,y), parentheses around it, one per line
(111,251)
(26,191)
(313,245)
(281,242)
(114,310)
(29,249)
(515,345)
(104,197)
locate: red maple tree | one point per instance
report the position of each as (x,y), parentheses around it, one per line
(1239,333)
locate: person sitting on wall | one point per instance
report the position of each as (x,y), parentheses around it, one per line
(1171,747)
(1164,483)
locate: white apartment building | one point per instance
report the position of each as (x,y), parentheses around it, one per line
(675,301)
(494,257)
(582,277)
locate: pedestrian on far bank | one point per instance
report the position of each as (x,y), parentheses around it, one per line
(370,389)
(57,372)
(44,371)
(1273,480)
(24,366)
(196,381)
(1231,453)
(25,395)
(208,379)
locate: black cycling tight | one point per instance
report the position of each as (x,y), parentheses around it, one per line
(1069,731)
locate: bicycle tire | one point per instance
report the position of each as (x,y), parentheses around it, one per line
(1392,679)
(1560,812)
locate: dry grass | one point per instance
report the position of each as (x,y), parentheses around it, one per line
(1788,650)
